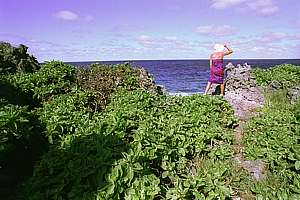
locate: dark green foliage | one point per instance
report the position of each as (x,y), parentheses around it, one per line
(53,78)
(103,80)
(16,59)
(77,169)
(286,75)
(15,95)
(143,146)
(65,114)
(14,127)
(166,134)
(21,143)
(274,137)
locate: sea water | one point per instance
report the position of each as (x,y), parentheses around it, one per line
(185,77)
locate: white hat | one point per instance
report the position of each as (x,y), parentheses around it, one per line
(218,48)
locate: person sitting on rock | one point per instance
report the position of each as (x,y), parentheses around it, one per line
(216,66)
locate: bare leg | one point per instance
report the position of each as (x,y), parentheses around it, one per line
(222,89)
(207,88)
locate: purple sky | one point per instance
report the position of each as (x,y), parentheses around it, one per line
(82,30)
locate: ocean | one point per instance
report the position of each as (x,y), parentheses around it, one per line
(186,77)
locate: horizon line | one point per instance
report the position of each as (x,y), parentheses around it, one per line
(178,59)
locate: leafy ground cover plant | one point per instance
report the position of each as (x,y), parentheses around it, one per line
(21,143)
(286,75)
(53,78)
(274,137)
(166,134)
(75,169)
(15,126)
(66,113)
(155,140)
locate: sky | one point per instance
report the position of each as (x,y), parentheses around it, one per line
(90,30)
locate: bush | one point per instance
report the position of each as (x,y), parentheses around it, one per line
(15,127)
(16,59)
(274,138)
(166,134)
(53,78)
(142,146)
(274,135)
(65,114)
(75,170)
(286,75)
(103,80)
(21,143)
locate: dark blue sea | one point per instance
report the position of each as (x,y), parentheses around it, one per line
(187,76)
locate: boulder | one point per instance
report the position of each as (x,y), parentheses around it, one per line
(275,85)
(241,90)
(294,93)
(147,82)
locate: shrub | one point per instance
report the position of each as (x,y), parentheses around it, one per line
(15,127)
(273,136)
(16,59)
(53,78)
(103,80)
(21,143)
(66,113)
(286,75)
(143,146)
(75,170)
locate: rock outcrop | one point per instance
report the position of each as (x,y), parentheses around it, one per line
(241,90)
(245,96)
(146,81)
(294,93)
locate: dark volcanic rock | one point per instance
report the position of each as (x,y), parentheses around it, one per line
(147,82)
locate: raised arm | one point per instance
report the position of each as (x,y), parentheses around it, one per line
(229,50)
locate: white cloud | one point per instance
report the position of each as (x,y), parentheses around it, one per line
(66,15)
(146,41)
(275,37)
(173,38)
(268,45)
(169,43)
(222,4)
(272,37)
(261,7)
(215,30)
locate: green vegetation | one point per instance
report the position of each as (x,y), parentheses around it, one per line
(107,133)
(285,75)
(53,78)
(107,137)
(274,136)
(141,146)
(16,59)
(103,80)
